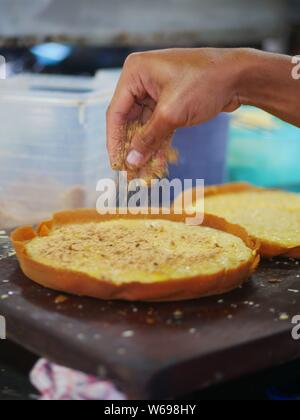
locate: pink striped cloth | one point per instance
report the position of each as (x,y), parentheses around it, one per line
(59,384)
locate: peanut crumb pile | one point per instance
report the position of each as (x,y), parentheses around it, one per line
(157,167)
(124,251)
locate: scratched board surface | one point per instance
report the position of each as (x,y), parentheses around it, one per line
(157,350)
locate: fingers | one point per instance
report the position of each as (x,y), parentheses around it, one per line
(116,121)
(146,143)
(136,98)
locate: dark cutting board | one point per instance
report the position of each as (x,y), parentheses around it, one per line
(158,350)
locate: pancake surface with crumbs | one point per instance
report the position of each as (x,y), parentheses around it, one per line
(124,251)
(272,217)
(134,258)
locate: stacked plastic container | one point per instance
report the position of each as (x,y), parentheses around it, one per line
(264,150)
(52,144)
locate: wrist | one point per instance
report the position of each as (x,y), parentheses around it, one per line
(261,77)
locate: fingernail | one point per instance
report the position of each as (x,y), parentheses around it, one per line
(135,158)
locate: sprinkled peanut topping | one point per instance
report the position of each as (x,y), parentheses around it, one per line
(157,167)
(139,250)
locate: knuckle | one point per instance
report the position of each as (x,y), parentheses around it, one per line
(145,142)
(168,117)
(132,59)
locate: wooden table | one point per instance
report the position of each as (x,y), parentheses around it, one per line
(158,350)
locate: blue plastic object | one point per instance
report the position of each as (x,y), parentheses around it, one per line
(202,151)
(264,150)
(51,53)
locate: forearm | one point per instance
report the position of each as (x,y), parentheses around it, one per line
(186,87)
(266,81)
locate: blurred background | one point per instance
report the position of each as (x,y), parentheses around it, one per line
(63,59)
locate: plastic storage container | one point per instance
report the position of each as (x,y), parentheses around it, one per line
(202,151)
(264,150)
(52,144)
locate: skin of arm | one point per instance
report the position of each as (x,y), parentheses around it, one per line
(170,89)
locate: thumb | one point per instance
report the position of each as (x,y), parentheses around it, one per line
(146,143)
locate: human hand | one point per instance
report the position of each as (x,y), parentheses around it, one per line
(168,89)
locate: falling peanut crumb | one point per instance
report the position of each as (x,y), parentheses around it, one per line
(274,281)
(150,321)
(157,167)
(178,314)
(284,317)
(60,299)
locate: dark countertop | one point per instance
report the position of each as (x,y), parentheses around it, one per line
(15,365)
(246,331)
(280,383)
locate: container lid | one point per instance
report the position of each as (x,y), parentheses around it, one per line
(68,90)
